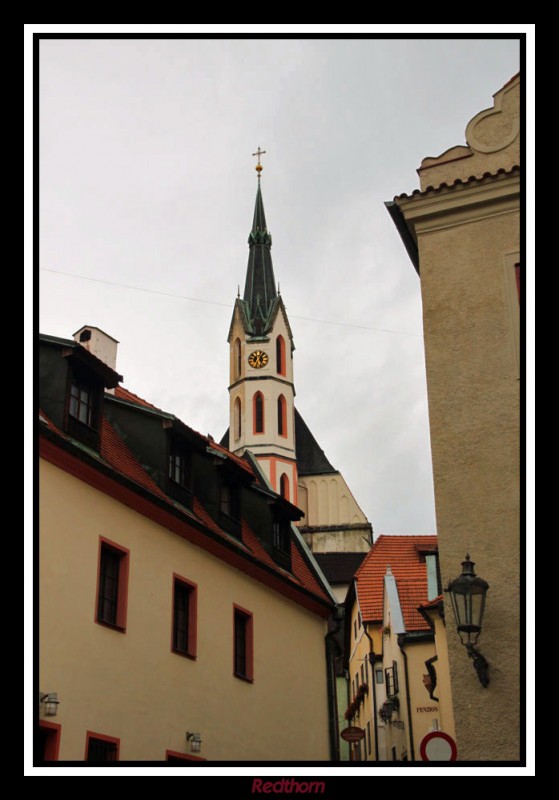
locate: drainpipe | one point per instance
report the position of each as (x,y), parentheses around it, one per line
(337,618)
(401,642)
(374,684)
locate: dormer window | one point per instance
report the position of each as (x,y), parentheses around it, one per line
(230,508)
(178,485)
(81,402)
(282,536)
(83,420)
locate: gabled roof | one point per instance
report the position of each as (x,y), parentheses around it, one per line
(404,556)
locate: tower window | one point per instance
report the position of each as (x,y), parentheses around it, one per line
(258,413)
(284,486)
(282,416)
(85,336)
(280,355)
(237,358)
(237,419)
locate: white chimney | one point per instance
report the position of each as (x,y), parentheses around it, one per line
(100,344)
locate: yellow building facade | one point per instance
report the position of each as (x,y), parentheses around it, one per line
(396,651)
(462,231)
(209,620)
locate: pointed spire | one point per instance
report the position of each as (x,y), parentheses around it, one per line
(260,284)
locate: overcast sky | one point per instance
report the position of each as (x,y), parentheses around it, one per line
(147,180)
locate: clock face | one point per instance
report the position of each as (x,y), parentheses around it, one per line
(258,359)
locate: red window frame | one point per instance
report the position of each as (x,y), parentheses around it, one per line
(282,416)
(243,663)
(176,756)
(280,355)
(237,360)
(52,747)
(123,554)
(102,738)
(192,612)
(258,415)
(237,417)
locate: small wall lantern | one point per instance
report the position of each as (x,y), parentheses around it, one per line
(468,593)
(195,741)
(49,702)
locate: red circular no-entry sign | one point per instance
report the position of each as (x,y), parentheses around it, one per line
(438,746)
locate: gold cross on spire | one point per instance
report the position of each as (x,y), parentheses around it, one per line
(259,167)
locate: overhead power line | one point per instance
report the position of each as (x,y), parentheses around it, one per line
(223,305)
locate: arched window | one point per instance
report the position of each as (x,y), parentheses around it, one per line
(237,358)
(280,355)
(284,486)
(282,416)
(237,419)
(258,412)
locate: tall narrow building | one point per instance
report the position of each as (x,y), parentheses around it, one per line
(263,418)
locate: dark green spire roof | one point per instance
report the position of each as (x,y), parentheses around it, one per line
(260,285)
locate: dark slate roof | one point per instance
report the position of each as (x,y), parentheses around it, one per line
(260,285)
(310,456)
(339,567)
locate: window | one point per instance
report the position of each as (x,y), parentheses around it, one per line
(184,617)
(284,486)
(258,412)
(101,748)
(230,508)
(281,532)
(84,404)
(237,419)
(178,485)
(112,584)
(355,629)
(177,467)
(379,676)
(391,675)
(362,670)
(282,416)
(280,355)
(85,336)
(242,644)
(237,359)
(81,402)
(48,741)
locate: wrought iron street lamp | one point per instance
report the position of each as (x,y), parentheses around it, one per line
(468,593)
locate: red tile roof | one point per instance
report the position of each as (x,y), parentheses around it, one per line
(117,454)
(126,394)
(402,554)
(457,182)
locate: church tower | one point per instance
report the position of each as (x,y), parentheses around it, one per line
(261,389)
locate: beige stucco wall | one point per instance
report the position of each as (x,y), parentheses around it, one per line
(329,501)
(131,685)
(466,237)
